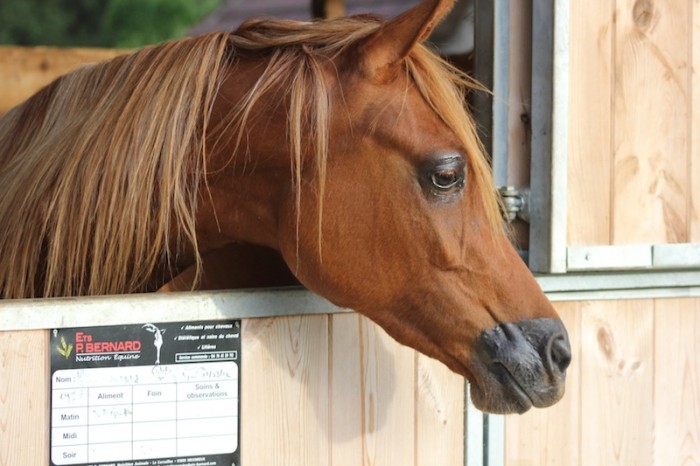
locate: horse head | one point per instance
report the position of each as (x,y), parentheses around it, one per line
(359,163)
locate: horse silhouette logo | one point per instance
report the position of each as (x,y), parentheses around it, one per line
(157,338)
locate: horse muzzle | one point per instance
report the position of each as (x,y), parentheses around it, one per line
(521,365)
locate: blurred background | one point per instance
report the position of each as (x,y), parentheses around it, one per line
(134,23)
(98,23)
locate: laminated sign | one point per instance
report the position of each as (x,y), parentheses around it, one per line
(146,395)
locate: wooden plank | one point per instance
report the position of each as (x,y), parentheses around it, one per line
(590,122)
(24,398)
(335,8)
(372,395)
(519,93)
(617,371)
(652,111)
(439,414)
(677,382)
(346,391)
(25,70)
(284,391)
(519,106)
(551,437)
(694,161)
(627,257)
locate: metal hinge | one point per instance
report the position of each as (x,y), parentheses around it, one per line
(516,203)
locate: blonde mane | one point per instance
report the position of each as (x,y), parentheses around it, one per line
(102,169)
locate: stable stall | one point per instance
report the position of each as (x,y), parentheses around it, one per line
(594,127)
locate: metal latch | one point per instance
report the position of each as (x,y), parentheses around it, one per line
(516,203)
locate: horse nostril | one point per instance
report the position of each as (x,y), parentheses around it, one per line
(560,353)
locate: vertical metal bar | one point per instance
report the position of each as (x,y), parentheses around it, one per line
(560,135)
(541,124)
(501,90)
(549,136)
(473,432)
(484,436)
(494,448)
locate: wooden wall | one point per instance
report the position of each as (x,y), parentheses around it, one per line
(634,168)
(316,390)
(336,390)
(633,392)
(633,395)
(23,70)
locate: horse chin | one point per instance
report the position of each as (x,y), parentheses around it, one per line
(493,389)
(496,390)
(508,399)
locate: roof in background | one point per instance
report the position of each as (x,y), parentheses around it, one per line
(233,12)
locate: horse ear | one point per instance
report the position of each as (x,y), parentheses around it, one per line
(393,41)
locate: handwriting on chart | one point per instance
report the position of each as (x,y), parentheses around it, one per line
(105,376)
(98,414)
(71,396)
(185,374)
(138,375)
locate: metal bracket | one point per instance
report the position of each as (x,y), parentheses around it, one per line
(516,203)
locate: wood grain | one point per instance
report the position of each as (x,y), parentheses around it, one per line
(632,398)
(284,391)
(439,414)
(346,393)
(694,161)
(372,393)
(677,382)
(519,94)
(24,398)
(335,8)
(652,111)
(25,70)
(633,394)
(617,370)
(550,437)
(590,123)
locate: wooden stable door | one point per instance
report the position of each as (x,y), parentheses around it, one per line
(316,390)
(617,175)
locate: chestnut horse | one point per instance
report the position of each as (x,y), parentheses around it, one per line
(343,144)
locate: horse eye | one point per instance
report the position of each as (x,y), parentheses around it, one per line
(443,177)
(447,179)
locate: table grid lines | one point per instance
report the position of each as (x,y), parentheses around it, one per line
(182,416)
